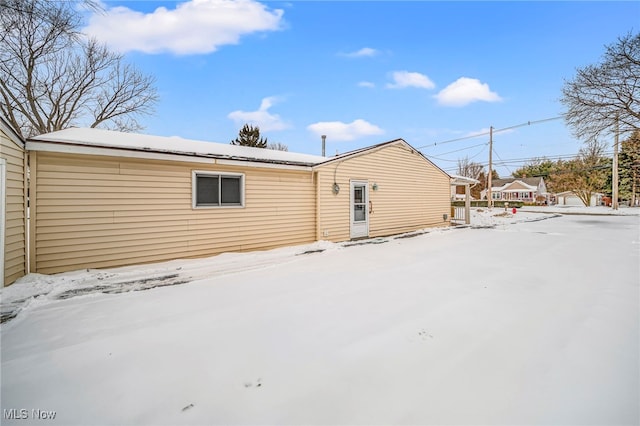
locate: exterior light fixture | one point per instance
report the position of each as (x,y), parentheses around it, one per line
(374,186)
(336,188)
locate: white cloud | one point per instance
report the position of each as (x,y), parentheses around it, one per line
(261,118)
(402,79)
(364,52)
(464,91)
(193,27)
(366,84)
(339,131)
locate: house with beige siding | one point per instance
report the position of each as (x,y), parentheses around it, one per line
(385,189)
(13,205)
(104,199)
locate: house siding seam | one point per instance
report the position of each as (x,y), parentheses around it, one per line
(404,178)
(97,212)
(15,244)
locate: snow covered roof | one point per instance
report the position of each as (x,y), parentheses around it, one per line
(99,138)
(108,142)
(531,181)
(463,180)
(566,193)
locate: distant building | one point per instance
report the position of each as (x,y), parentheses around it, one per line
(527,190)
(569,198)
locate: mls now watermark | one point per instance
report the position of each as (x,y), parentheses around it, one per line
(24,414)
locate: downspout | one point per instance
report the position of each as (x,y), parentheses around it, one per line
(316,178)
(467,204)
(33,173)
(27,231)
(3,224)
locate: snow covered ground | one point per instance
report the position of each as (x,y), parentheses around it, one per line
(530,318)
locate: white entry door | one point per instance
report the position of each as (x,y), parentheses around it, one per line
(359,209)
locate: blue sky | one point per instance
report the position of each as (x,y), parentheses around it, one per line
(366,72)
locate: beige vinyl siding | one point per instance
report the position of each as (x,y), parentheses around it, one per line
(15,254)
(412,193)
(97,212)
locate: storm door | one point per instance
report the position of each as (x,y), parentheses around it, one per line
(359,210)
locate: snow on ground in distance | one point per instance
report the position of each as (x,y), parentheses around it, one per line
(523,323)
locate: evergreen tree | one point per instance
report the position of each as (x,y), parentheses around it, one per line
(540,167)
(629,168)
(535,168)
(250,136)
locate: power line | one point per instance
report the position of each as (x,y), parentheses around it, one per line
(478,153)
(551,158)
(436,157)
(504,165)
(528,123)
(524,160)
(461,149)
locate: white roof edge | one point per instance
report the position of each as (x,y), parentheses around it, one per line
(75,138)
(463,179)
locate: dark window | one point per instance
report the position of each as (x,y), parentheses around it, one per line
(207,190)
(230,191)
(218,190)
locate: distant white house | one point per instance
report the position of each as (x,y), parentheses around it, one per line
(569,198)
(528,190)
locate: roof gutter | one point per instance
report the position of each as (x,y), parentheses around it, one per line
(191,157)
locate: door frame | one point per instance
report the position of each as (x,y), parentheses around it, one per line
(358,229)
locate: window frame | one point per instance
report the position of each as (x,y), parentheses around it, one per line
(220,175)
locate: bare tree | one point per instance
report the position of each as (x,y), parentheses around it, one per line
(584,175)
(52,77)
(277,146)
(469,169)
(601,94)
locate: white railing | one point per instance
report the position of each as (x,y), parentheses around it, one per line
(458,215)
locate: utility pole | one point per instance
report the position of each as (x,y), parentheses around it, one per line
(614,180)
(489,195)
